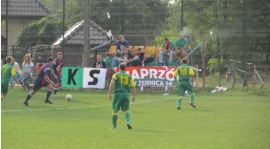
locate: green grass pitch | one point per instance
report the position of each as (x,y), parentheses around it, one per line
(221,120)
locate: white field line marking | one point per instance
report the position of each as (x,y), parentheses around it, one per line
(74,108)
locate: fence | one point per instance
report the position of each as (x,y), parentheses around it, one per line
(231,29)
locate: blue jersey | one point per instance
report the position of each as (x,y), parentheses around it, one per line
(44,70)
(57,66)
(121,45)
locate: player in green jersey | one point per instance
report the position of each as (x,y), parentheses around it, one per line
(6,72)
(184,73)
(121,84)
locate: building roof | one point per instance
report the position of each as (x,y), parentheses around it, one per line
(24,9)
(75,35)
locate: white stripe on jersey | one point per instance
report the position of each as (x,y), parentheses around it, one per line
(46,69)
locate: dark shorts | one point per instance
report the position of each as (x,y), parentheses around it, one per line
(120,100)
(184,86)
(4,87)
(59,80)
(39,85)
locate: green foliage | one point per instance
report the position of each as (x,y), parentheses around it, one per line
(3,23)
(139,16)
(221,120)
(43,31)
(214,64)
(159,40)
(226,23)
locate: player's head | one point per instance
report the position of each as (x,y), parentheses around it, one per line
(10,60)
(122,66)
(184,61)
(122,38)
(50,61)
(99,57)
(59,55)
(167,40)
(27,59)
(181,35)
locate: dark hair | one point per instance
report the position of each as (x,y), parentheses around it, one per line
(49,59)
(139,49)
(166,39)
(9,58)
(184,61)
(122,66)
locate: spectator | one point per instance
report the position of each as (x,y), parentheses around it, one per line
(121,44)
(27,69)
(138,57)
(181,45)
(99,63)
(124,58)
(18,73)
(167,48)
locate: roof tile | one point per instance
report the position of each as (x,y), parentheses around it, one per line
(20,8)
(75,35)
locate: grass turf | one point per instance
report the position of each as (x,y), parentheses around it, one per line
(221,120)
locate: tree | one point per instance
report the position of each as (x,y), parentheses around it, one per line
(140,16)
(225,19)
(43,31)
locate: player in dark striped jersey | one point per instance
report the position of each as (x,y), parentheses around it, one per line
(56,72)
(42,80)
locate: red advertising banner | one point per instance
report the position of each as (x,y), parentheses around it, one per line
(152,76)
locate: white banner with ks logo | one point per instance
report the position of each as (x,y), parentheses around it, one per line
(94,77)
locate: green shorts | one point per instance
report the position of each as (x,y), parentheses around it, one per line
(120,100)
(4,87)
(184,86)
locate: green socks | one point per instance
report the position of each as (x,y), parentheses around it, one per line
(114,120)
(179,102)
(192,97)
(127,116)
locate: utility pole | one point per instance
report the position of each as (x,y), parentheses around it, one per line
(182,15)
(6,29)
(86,45)
(244,36)
(63,46)
(122,18)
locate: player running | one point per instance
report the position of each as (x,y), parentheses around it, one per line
(6,72)
(121,84)
(56,72)
(42,80)
(184,73)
